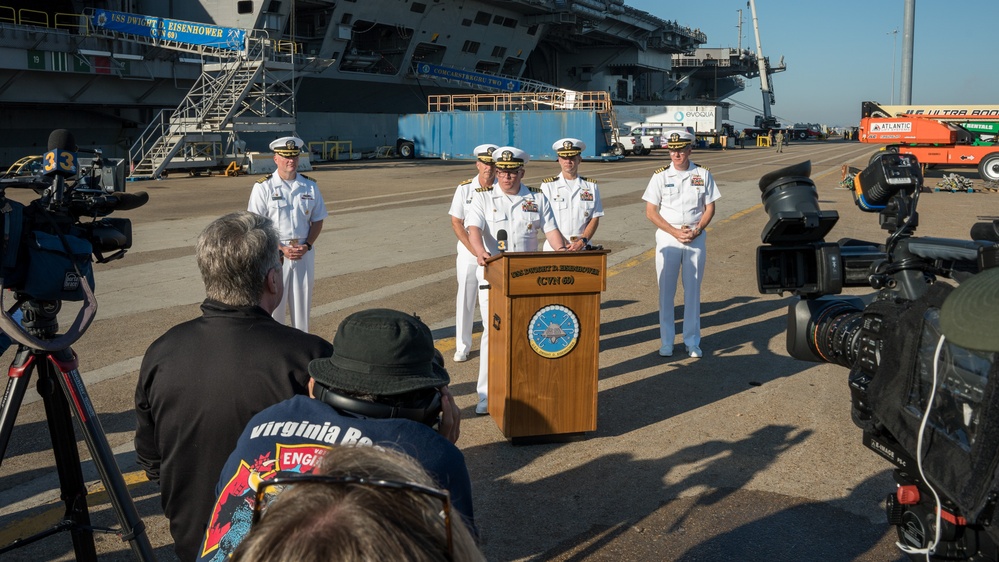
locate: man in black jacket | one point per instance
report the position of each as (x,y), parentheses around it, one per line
(202,381)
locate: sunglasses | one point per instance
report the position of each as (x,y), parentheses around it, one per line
(269,491)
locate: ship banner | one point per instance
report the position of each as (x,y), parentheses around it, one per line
(170,30)
(486,80)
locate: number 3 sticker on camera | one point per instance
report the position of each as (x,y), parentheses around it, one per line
(61,162)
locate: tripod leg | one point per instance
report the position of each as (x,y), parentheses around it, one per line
(18,379)
(67,457)
(133,529)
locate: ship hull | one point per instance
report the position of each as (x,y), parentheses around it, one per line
(110,87)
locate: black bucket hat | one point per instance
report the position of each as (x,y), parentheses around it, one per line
(381,352)
(968,316)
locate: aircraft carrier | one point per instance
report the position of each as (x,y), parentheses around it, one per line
(339,70)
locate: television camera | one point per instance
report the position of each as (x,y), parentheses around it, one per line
(925,404)
(46,254)
(45,259)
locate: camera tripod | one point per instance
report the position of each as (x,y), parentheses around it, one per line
(63,393)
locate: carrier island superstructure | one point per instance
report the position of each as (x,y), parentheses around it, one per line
(346,69)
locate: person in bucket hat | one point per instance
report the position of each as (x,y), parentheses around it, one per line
(968,316)
(384,385)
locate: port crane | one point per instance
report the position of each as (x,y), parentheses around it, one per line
(765,123)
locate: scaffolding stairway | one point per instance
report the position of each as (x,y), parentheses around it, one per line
(231,96)
(242,88)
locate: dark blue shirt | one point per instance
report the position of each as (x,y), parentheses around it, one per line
(291,437)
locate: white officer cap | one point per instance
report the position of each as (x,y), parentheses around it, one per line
(679,139)
(484,153)
(287,146)
(569,147)
(510,158)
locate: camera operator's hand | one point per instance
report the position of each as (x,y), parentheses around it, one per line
(450,426)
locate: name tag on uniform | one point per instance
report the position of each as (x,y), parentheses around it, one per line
(697,181)
(276,197)
(307,196)
(530,207)
(586,196)
(671,185)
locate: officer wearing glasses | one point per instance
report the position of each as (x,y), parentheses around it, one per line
(516,211)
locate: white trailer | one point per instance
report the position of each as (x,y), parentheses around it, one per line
(704,119)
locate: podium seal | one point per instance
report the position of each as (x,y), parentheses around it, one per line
(553,331)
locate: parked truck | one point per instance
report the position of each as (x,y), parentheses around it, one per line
(937,135)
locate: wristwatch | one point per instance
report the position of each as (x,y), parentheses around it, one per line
(585,240)
(309,246)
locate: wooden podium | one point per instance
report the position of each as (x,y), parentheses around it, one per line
(544,341)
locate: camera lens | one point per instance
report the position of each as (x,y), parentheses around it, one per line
(835,332)
(825,329)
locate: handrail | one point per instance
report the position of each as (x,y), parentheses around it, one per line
(157,126)
(562,100)
(80,22)
(22,11)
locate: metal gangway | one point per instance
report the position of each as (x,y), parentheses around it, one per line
(243,87)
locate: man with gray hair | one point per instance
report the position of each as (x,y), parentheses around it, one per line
(202,381)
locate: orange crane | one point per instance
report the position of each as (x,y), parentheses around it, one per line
(937,135)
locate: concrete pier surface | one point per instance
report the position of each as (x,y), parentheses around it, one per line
(744,454)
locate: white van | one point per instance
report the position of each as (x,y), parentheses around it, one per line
(647,138)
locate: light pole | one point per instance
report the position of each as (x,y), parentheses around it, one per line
(894,34)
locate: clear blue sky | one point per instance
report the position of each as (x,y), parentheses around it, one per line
(839,52)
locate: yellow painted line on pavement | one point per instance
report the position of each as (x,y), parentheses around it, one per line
(96,495)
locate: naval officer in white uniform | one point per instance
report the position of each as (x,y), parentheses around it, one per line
(520,211)
(680,202)
(575,200)
(466,263)
(295,205)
